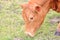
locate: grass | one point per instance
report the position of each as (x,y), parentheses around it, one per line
(12,24)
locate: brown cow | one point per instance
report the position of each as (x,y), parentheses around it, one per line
(34,13)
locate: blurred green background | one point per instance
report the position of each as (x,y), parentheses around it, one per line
(12,23)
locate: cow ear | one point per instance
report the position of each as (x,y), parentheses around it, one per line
(37,8)
(23,5)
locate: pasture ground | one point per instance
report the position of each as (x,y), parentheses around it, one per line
(12,23)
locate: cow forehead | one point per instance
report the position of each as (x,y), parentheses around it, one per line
(30,8)
(40,2)
(32,5)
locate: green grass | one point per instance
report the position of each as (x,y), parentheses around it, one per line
(12,24)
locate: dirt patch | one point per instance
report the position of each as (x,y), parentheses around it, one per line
(55,20)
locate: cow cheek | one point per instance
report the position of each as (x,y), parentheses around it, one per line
(32,27)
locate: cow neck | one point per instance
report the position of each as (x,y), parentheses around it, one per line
(38,3)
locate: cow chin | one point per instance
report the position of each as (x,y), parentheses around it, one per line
(31,29)
(29,33)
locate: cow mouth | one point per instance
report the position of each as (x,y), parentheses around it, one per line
(29,34)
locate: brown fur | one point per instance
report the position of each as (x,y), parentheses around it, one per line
(35,11)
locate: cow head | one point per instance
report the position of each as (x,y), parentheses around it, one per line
(33,17)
